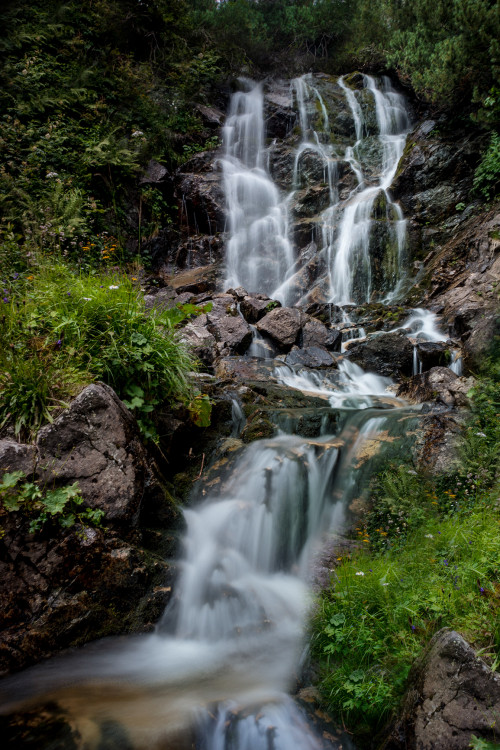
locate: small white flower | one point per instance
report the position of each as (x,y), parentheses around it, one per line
(410,471)
(137,133)
(384,584)
(87,299)
(359,573)
(480,434)
(113,286)
(49,175)
(429,536)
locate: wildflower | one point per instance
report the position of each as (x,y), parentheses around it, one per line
(113,286)
(134,278)
(359,573)
(87,299)
(480,434)
(413,627)
(30,278)
(411,471)
(69,294)
(384,584)
(59,343)
(50,175)
(5,299)
(137,133)
(445,562)
(429,536)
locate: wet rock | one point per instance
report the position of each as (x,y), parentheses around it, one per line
(200,193)
(96,443)
(280,116)
(435,172)
(313,356)
(452,695)
(433,354)
(283,326)
(255,306)
(315,333)
(440,385)
(389,354)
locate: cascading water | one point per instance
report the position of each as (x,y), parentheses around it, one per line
(349,253)
(258,253)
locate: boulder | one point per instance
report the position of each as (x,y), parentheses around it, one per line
(389,354)
(440,385)
(452,695)
(313,356)
(232,334)
(283,326)
(255,306)
(96,443)
(433,354)
(200,341)
(316,333)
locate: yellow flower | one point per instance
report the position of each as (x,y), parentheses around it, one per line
(134,278)
(30,278)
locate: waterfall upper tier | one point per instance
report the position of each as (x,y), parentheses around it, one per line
(310,215)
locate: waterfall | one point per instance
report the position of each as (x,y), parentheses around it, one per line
(349,254)
(258,252)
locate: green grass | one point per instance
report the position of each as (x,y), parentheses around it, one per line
(61,329)
(428,556)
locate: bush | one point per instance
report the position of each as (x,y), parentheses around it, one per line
(61,329)
(487,174)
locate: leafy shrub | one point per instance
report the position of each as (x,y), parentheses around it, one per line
(60,329)
(487,174)
(40,505)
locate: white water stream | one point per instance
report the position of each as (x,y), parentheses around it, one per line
(258,253)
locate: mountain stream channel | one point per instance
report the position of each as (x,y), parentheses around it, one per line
(217,672)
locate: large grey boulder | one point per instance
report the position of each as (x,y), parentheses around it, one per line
(312,356)
(283,326)
(232,334)
(254,306)
(452,695)
(316,333)
(389,354)
(96,443)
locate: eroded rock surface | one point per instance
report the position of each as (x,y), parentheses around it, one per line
(96,443)
(452,695)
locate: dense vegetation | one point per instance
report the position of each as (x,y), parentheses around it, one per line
(427,556)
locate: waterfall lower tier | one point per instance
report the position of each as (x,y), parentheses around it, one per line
(231,640)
